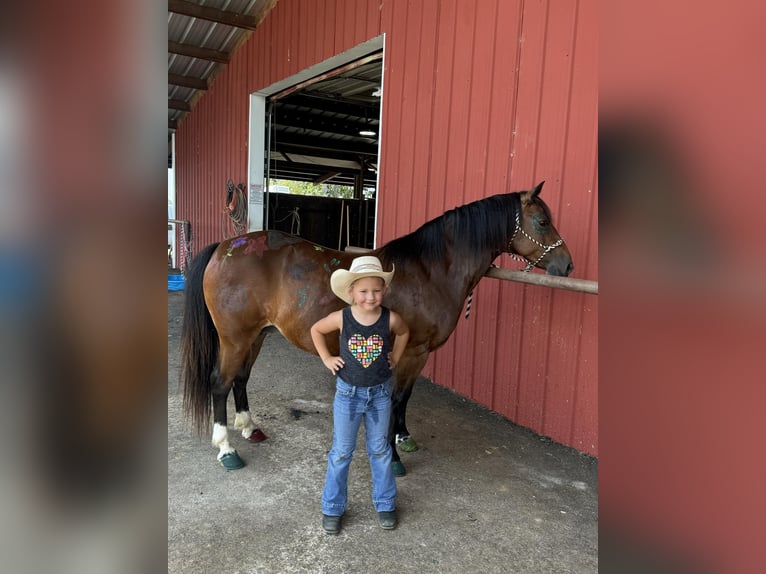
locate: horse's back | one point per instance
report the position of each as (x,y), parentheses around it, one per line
(268,278)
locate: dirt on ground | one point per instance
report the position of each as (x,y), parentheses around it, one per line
(481,494)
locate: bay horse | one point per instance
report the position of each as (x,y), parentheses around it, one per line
(237,288)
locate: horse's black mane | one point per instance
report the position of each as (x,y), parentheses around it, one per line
(483,225)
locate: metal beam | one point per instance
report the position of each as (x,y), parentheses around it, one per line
(179,105)
(331,104)
(317,170)
(315,166)
(309,173)
(316,122)
(330,148)
(187,81)
(323,178)
(233,19)
(197,52)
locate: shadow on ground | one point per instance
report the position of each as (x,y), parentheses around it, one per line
(481,494)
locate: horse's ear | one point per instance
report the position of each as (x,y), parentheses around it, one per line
(527,196)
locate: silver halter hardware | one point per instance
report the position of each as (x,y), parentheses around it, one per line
(546,248)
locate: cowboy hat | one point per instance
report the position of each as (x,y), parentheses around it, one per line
(365,266)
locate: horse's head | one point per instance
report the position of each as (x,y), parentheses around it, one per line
(536,240)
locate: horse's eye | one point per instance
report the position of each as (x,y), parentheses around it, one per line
(543,222)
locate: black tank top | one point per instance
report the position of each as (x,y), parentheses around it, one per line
(364,350)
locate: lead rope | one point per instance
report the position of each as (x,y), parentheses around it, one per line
(468,304)
(469,300)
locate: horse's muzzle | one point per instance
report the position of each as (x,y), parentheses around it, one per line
(559,266)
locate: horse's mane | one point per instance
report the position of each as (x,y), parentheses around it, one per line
(483,225)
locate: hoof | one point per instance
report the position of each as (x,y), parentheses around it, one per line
(231,461)
(407,445)
(257,436)
(398,468)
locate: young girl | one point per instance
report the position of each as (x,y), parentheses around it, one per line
(363,386)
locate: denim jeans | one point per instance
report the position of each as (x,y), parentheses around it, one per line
(351,406)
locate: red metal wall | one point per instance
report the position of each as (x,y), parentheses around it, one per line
(480,98)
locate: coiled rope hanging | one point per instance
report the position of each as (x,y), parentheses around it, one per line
(236,208)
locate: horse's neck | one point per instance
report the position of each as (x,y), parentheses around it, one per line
(464,273)
(450,285)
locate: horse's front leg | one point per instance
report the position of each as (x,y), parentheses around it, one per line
(396,427)
(406,374)
(401,435)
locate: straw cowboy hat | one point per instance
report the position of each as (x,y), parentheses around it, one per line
(366,266)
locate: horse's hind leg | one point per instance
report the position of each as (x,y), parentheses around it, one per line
(243,421)
(227,456)
(234,363)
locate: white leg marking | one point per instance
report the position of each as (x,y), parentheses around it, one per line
(221,440)
(244,422)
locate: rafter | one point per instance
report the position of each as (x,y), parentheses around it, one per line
(329,103)
(187,81)
(197,52)
(315,168)
(179,105)
(304,172)
(330,125)
(213,14)
(323,178)
(351,150)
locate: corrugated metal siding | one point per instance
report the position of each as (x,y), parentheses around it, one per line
(480,98)
(489,97)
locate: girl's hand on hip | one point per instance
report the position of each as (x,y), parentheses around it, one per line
(333,363)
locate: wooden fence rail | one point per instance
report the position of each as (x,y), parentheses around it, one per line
(568,283)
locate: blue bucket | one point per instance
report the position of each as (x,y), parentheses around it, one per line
(176,282)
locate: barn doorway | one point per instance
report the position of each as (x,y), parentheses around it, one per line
(320,132)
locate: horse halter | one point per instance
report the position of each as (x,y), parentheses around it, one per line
(530,264)
(546,248)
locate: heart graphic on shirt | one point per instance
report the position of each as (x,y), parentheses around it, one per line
(365,350)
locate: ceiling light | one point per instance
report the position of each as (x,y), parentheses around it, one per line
(368,133)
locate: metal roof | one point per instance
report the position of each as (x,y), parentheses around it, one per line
(315,127)
(202,35)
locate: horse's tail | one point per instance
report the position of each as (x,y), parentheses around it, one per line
(199,345)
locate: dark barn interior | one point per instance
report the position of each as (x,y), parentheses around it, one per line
(324,131)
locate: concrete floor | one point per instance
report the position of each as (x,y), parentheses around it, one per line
(481,494)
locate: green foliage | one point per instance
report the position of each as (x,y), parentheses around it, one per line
(322,190)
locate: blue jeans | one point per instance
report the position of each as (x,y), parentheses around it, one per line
(351,406)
